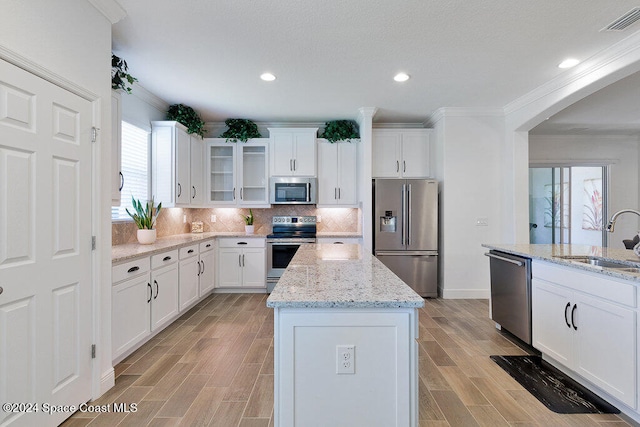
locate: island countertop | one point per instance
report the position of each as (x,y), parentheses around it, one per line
(340,276)
(563,254)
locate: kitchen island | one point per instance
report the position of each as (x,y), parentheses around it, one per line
(584,316)
(345,350)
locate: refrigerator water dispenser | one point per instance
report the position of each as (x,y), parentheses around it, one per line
(388,223)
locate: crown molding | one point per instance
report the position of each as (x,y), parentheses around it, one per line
(111,9)
(143,94)
(399,125)
(598,66)
(443,112)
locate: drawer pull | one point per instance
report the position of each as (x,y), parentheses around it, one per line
(208,245)
(190,251)
(167,258)
(242,243)
(132,269)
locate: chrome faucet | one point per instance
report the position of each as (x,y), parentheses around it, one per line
(614,218)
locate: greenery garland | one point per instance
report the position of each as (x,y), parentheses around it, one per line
(120,77)
(240,130)
(340,130)
(188,117)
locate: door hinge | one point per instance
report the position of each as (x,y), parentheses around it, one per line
(93,243)
(94,134)
(93,351)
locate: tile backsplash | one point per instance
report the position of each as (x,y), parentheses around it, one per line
(170,221)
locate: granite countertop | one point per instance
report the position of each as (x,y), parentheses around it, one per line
(344,234)
(120,253)
(340,276)
(562,254)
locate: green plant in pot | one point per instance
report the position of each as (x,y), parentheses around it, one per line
(145,218)
(248,220)
(340,130)
(240,130)
(120,77)
(187,116)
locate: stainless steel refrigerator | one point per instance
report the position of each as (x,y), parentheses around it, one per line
(405,222)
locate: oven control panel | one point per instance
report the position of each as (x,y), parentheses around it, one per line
(294,220)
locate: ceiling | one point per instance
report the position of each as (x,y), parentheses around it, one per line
(332,57)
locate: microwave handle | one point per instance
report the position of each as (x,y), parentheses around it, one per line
(308,191)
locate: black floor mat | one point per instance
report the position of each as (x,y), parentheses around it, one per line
(555,390)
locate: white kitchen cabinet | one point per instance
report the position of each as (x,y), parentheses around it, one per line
(241,263)
(587,322)
(117,179)
(337,174)
(401,153)
(164,283)
(189,276)
(238,173)
(293,151)
(207,263)
(176,176)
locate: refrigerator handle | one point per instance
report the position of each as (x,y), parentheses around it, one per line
(404,213)
(409,215)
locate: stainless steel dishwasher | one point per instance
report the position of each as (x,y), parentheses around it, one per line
(511,293)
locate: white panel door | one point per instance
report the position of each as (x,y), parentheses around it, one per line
(386,154)
(197,166)
(415,155)
(164,304)
(189,277)
(131,303)
(281,154)
(207,260)
(254,268)
(328,173)
(183,166)
(45,245)
(229,268)
(347,173)
(551,328)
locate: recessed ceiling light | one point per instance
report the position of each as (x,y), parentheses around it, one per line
(568,63)
(267,77)
(401,77)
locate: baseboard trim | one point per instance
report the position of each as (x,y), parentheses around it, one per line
(107,381)
(465,293)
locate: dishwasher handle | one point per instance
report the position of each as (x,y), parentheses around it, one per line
(501,258)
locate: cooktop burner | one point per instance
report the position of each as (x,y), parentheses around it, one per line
(303,227)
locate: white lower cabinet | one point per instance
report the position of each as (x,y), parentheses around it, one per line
(164,303)
(189,276)
(580,320)
(242,263)
(207,262)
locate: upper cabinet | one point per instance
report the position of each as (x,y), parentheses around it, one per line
(401,153)
(293,151)
(117,179)
(237,173)
(337,173)
(176,159)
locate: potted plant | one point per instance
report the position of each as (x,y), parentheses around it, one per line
(187,116)
(120,77)
(240,130)
(340,130)
(145,218)
(248,219)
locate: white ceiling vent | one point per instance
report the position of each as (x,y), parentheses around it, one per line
(624,21)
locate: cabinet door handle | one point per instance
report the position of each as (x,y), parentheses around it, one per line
(155,282)
(404,166)
(202,272)
(234,193)
(573,320)
(239,260)
(150,292)
(291,164)
(339,193)
(243,260)
(241,193)
(121,181)
(294,164)
(193,196)
(132,269)
(335,193)
(397,166)
(179,189)
(565,314)
(167,258)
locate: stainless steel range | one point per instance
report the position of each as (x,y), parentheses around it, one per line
(289,232)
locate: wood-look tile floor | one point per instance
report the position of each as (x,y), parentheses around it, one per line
(214,367)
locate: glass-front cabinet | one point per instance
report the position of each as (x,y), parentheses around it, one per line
(238,173)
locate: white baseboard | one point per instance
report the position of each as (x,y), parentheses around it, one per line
(464,293)
(107,381)
(240,291)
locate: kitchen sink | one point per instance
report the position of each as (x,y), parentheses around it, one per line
(599,262)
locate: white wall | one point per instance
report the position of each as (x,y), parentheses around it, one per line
(72,39)
(620,152)
(141,107)
(468,155)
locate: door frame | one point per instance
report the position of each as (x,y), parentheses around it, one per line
(99,319)
(606,175)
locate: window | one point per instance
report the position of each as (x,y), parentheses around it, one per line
(135,168)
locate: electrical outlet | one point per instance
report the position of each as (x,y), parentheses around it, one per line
(318,218)
(345,359)
(482,222)
(184,219)
(213,218)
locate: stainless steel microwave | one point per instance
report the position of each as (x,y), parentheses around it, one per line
(292,190)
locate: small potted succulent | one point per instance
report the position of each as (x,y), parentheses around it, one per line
(248,220)
(145,218)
